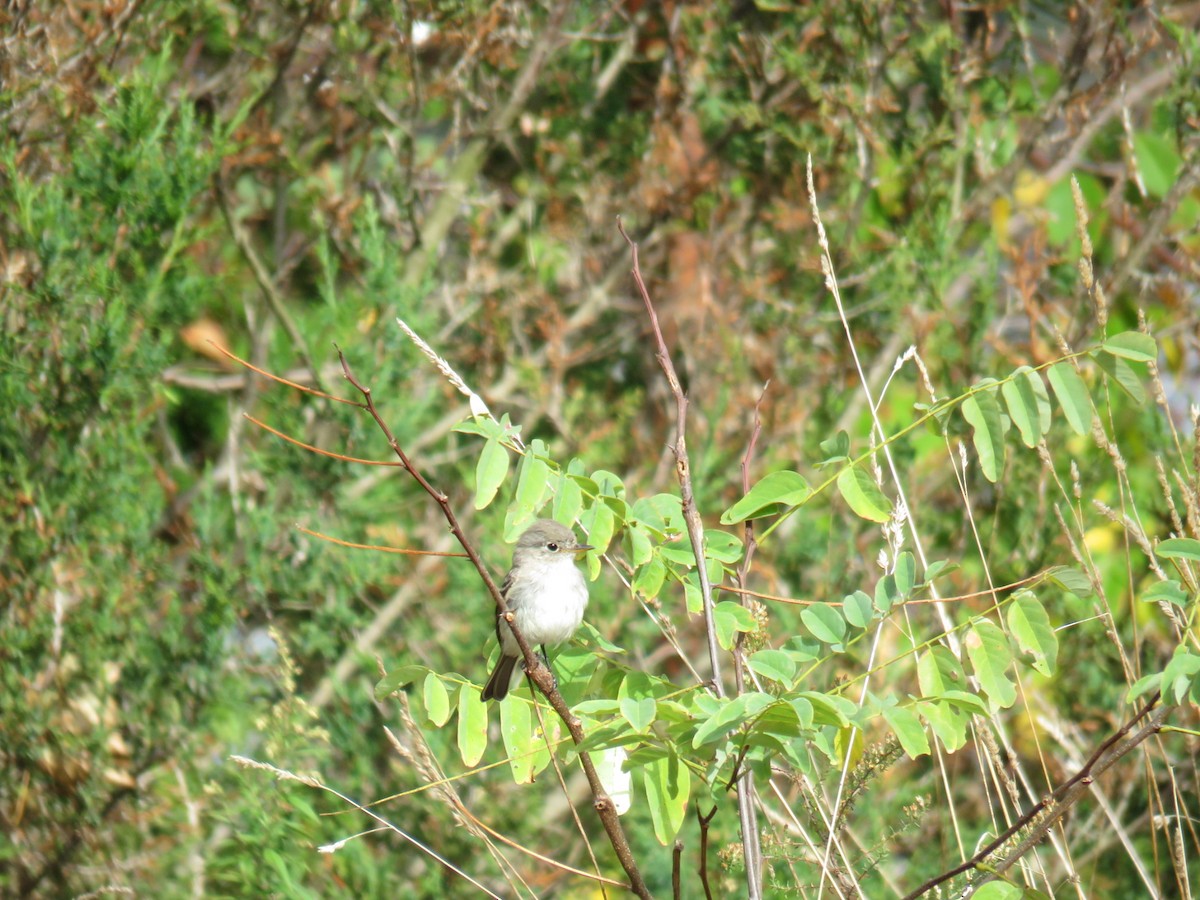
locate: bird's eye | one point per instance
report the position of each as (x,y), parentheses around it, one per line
(552,547)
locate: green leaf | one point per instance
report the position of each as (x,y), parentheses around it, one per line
(638,713)
(568,496)
(648,580)
(863,495)
(998,890)
(1122,373)
(982,412)
(774,493)
(1178,548)
(722,546)
(1179,675)
(668,785)
(599,523)
(829,709)
(1143,685)
(437,700)
(692,596)
(907,726)
(1071,580)
(489,474)
(824,622)
(731,714)
(397,678)
(1157,161)
(594,637)
(1028,404)
(858,609)
(472,725)
(1132,345)
(938,671)
(1072,396)
(987,648)
(1165,592)
(947,721)
(967,702)
(773,664)
(729,618)
(836,449)
(617,781)
(782,719)
(517,731)
(887,594)
(906,574)
(531,481)
(638,545)
(1030,626)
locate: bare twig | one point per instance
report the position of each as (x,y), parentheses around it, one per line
(704,822)
(683,469)
(538,672)
(695,527)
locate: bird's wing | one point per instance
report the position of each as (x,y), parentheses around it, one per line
(505,587)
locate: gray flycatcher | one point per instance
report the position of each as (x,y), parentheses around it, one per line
(547,594)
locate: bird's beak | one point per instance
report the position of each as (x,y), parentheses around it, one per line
(583,548)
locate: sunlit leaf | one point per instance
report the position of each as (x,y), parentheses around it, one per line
(907,726)
(401,676)
(776,665)
(437,700)
(1132,345)
(638,713)
(472,725)
(1071,580)
(490,472)
(668,785)
(1072,396)
(730,618)
(733,713)
(1119,371)
(1178,548)
(858,609)
(568,496)
(773,494)
(863,495)
(517,733)
(1165,592)
(938,671)
(987,648)
(824,622)
(982,412)
(1030,626)
(1028,404)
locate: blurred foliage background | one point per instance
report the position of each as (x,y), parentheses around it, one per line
(279,178)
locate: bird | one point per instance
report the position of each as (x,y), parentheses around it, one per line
(547,594)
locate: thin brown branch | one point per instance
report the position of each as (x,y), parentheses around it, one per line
(683,469)
(537,671)
(1050,810)
(295,385)
(317,450)
(704,822)
(676,864)
(404,550)
(695,527)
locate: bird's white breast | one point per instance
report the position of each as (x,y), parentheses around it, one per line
(549,601)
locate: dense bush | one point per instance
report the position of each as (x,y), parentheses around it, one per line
(973,499)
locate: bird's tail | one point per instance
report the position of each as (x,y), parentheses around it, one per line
(498,685)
